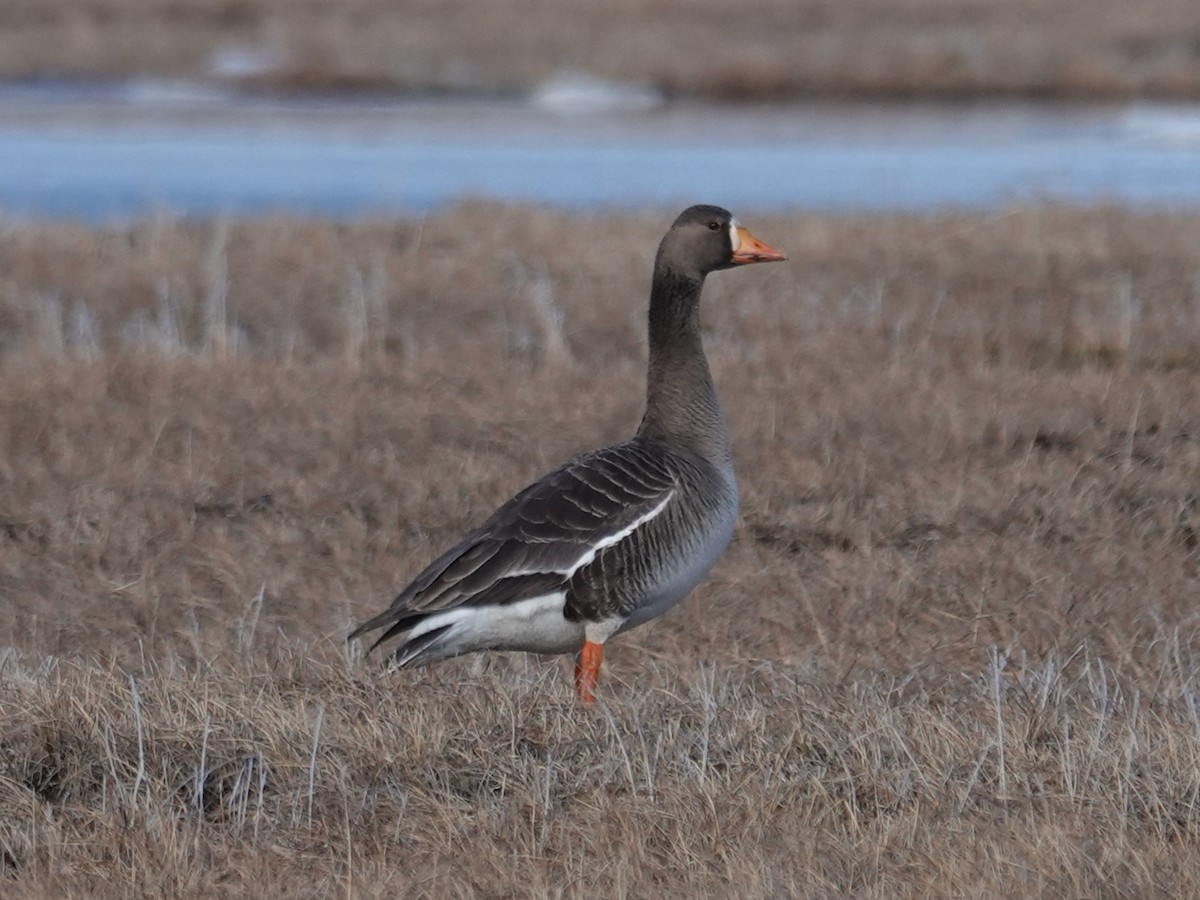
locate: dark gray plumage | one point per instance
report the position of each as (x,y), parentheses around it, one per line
(616,536)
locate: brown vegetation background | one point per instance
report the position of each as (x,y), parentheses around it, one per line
(714,48)
(952,649)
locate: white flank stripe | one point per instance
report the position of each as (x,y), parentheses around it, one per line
(590,554)
(618,536)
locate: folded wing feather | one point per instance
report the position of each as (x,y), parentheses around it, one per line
(533,543)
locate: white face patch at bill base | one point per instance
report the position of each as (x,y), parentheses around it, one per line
(735,238)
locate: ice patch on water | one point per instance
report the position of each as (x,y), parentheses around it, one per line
(157,92)
(1176,125)
(237,61)
(575,92)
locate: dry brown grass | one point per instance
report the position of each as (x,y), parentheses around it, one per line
(952,651)
(756,48)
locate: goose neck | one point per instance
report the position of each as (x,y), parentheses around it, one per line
(681,401)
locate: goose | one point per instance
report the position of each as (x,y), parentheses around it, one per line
(614,537)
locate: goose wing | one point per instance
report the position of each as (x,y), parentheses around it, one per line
(534,543)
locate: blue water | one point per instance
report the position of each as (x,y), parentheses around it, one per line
(119,151)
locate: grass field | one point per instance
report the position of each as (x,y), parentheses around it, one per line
(711,48)
(953,649)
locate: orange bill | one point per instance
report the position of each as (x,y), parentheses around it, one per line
(751,250)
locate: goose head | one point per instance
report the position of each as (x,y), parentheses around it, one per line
(706,239)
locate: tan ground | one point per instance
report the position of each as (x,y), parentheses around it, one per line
(952,650)
(753,48)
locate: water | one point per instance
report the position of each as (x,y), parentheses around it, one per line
(128,149)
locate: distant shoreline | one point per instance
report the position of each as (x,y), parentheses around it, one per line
(289,85)
(769,50)
(333,83)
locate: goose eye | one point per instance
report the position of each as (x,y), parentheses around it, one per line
(714,226)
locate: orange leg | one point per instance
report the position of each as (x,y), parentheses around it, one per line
(587,671)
